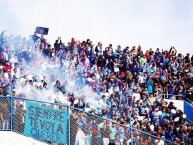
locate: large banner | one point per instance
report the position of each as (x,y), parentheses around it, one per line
(188,110)
(45,123)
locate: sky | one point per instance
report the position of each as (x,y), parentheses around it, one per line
(150,23)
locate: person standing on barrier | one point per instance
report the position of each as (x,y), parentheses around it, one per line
(113,131)
(88,132)
(80,136)
(5,116)
(96,139)
(105,133)
(19,119)
(120,132)
(73,127)
(117,140)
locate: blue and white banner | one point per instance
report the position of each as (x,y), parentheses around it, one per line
(45,123)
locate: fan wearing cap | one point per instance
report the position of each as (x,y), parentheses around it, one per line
(171,106)
(14,92)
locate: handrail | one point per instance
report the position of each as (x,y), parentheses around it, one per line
(173,94)
(189,120)
(44,102)
(166,95)
(189,101)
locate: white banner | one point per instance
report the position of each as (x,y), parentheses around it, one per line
(179,104)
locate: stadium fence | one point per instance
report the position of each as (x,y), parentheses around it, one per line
(59,124)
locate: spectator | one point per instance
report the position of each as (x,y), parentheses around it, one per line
(125,85)
(5,116)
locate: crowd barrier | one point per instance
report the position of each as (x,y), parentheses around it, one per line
(172,96)
(59,124)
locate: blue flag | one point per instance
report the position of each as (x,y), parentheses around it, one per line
(45,123)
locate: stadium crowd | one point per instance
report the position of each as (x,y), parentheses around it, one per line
(128,85)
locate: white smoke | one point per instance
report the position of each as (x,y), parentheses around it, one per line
(42,68)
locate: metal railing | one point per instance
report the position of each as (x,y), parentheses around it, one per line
(166,96)
(31,118)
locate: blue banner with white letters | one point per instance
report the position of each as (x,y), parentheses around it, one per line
(45,123)
(188,110)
